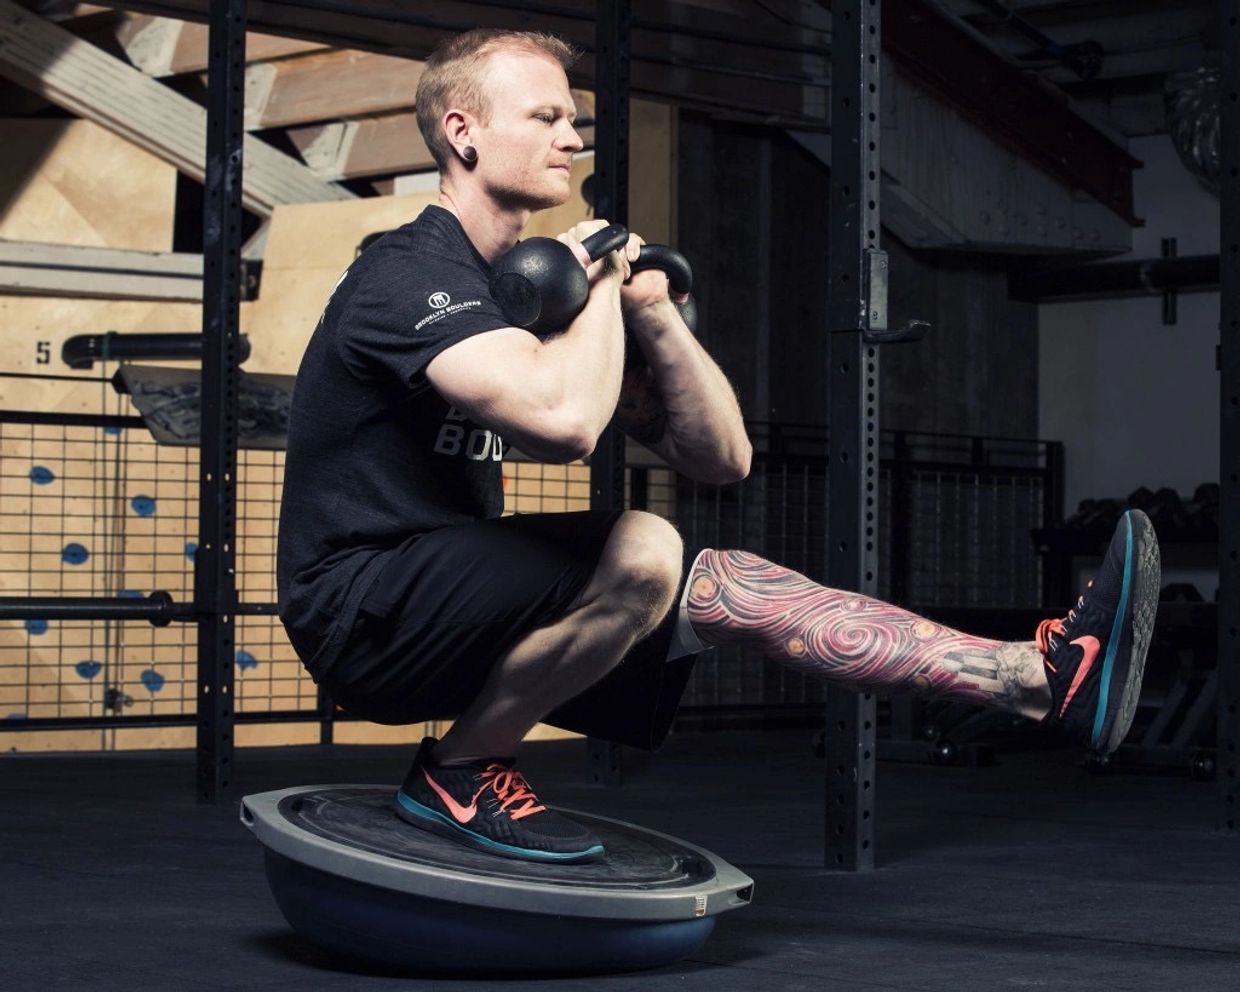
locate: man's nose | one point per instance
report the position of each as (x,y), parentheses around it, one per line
(570,140)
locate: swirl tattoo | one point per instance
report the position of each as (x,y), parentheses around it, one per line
(845,637)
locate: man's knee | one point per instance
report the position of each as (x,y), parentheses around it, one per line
(642,563)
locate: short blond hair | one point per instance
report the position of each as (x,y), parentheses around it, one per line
(454,77)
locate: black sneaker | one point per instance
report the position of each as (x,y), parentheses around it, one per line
(489,805)
(1095,656)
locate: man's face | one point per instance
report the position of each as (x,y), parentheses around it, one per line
(525,149)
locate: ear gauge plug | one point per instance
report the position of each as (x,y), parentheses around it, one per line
(470,154)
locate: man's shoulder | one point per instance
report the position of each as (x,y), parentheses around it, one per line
(430,243)
(434,231)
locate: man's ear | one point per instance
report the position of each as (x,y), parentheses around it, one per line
(456,126)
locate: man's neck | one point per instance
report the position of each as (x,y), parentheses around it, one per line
(492,228)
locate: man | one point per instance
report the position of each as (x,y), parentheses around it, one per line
(407,594)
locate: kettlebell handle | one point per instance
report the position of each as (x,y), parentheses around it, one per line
(669,260)
(607,240)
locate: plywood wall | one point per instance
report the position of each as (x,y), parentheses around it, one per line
(74,183)
(67,519)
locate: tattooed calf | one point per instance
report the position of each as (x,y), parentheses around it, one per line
(737,597)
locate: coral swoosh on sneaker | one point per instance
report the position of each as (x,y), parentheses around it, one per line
(462,814)
(1091,646)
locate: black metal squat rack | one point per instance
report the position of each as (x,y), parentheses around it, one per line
(857,325)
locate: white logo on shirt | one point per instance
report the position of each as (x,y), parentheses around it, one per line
(441,301)
(478,444)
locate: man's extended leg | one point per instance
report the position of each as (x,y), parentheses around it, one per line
(1083,671)
(737,597)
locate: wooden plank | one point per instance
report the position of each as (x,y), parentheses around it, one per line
(38,269)
(86,81)
(376,146)
(652,39)
(163,46)
(754,68)
(327,85)
(384,145)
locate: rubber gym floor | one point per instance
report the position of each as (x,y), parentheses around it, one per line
(1031,873)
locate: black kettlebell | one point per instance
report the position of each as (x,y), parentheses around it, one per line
(541,285)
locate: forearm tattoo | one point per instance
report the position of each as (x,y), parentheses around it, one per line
(737,597)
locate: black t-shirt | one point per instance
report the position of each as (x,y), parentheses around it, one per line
(375,455)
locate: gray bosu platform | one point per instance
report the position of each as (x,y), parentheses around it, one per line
(353,878)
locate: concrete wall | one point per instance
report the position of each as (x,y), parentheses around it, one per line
(1136,402)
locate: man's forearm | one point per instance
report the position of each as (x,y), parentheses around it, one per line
(705,432)
(586,362)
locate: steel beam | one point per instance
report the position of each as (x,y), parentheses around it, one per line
(215,580)
(611,201)
(1228,759)
(1104,280)
(853,309)
(1014,108)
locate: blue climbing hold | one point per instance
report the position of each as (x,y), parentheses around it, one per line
(41,475)
(113,431)
(152,680)
(143,506)
(191,549)
(88,669)
(74,554)
(131,594)
(36,627)
(246,660)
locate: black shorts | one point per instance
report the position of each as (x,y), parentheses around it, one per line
(451,603)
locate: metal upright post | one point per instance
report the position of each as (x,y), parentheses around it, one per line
(215,587)
(1228,760)
(611,201)
(856,305)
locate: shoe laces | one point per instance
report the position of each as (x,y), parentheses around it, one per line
(1048,627)
(510,788)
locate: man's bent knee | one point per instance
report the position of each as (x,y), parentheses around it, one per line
(640,567)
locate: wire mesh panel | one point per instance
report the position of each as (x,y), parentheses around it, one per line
(778,512)
(95,508)
(92,506)
(961,515)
